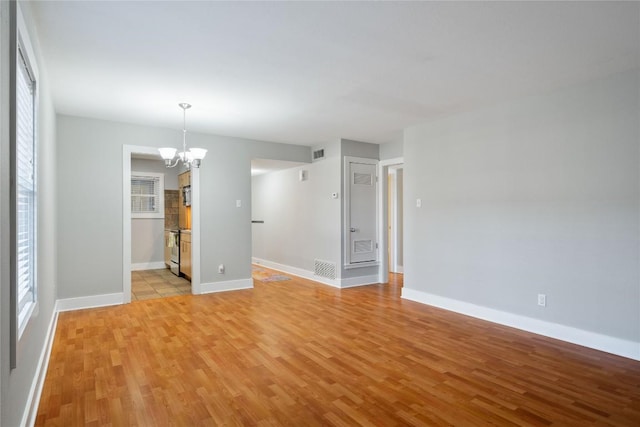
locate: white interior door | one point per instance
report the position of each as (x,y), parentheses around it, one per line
(361,217)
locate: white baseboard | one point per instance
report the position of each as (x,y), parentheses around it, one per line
(229,285)
(148,266)
(618,346)
(35,392)
(359,281)
(399,269)
(92,301)
(307,274)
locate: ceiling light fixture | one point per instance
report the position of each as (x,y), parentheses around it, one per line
(189,158)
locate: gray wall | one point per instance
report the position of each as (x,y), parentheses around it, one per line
(16,383)
(157,166)
(302,221)
(90,233)
(391,150)
(147,234)
(535,196)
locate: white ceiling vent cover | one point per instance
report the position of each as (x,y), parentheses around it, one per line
(325,269)
(318,154)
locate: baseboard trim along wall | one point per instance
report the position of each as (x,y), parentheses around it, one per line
(305,274)
(352,282)
(308,274)
(35,392)
(617,346)
(229,285)
(92,301)
(148,266)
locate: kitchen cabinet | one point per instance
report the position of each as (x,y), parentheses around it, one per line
(184,179)
(185,254)
(184,212)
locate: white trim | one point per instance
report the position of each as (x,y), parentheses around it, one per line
(35,392)
(383,223)
(346,202)
(158,265)
(196,288)
(307,274)
(618,346)
(228,285)
(352,282)
(400,269)
(362,264)
(92,301)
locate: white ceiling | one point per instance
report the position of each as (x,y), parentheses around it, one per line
(310,72)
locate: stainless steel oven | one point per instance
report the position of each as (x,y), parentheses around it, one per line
(186,195)
(174,247)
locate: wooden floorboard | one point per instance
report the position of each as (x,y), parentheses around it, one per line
(298,353)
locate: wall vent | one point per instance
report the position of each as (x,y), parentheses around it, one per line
(318,154)
(362,179)
(325,269)
(360,246)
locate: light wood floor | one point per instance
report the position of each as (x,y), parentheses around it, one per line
(297,353)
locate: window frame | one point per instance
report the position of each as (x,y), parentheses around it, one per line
(22,54)
(159,212)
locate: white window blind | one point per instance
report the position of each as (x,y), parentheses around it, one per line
(26,191)
(147,195)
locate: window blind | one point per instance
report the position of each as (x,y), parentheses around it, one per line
(145,194)
(26,188)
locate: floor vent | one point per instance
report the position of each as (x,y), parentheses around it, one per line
(325,269)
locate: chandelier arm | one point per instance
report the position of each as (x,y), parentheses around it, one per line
(169,165)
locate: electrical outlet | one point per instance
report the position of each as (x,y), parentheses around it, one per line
(238,203)
(542,300)
(418,203)
(221,269)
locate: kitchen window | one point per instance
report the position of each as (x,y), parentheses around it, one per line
(147,195)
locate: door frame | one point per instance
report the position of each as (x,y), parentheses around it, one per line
(393,220)
(346,234)
(383,202)
(127,151)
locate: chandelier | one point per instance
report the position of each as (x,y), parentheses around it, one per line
(188,158)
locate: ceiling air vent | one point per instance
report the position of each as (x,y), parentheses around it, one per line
(318,154)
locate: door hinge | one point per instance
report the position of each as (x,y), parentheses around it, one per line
(376,245)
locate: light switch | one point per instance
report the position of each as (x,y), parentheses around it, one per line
(418,203)
(238,203)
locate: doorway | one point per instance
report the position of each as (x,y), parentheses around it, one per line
(391,221)
(128,152)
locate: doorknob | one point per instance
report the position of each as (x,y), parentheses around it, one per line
(353,230)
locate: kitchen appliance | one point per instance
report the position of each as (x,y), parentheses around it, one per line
(186,195)
(174,249)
